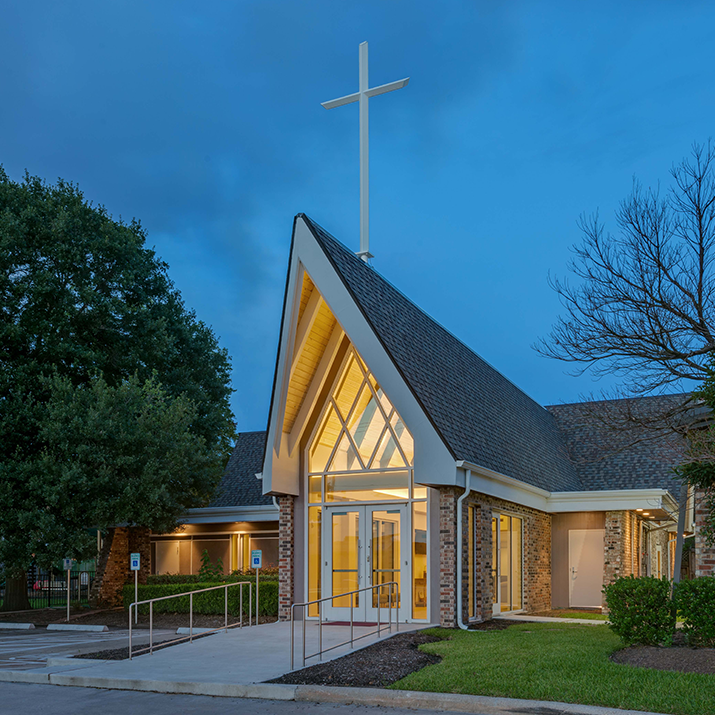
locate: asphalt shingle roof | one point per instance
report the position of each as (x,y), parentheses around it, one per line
(634,458)
(482,417)
(239,486)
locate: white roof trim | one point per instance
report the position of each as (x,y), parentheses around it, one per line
(500,486)
(610,500)
(218,514)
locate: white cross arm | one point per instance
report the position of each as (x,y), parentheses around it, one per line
(389,87)
(350,98)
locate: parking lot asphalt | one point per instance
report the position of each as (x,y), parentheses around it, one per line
(21,650)
(24,699)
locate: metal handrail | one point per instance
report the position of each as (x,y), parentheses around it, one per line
(190,594)
(393,603)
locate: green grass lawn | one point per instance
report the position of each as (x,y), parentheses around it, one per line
(572,613)
(553,661)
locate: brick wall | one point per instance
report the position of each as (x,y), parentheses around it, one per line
(536,572)
(536,555)
(616,538)
(448,557)
(286,552)
(704,554)
(625,554)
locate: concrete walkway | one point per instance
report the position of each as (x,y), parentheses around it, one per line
(223,663)
(548,619)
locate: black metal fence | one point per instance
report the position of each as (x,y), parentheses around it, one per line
(48,589)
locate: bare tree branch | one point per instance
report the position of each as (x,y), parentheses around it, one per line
(643,303)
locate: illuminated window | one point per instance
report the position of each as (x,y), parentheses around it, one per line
(507,562)
(362,450)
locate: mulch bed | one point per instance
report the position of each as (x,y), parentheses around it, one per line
(678,657)
(123,653)
(490,625)
(376,666)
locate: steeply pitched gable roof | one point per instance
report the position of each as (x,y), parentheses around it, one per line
(632,457)
(239,486)
(481,416)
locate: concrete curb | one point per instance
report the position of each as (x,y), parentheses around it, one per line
(226,690)
(447,701)
(17,626)
(76,627)
(477,704)
(23,676)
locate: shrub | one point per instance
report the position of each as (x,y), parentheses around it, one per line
(166,578)
(641,611)
(211,602)
(695,601)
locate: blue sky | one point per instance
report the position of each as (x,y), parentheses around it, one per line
(203,120)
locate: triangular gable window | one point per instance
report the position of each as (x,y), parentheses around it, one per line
(359,432)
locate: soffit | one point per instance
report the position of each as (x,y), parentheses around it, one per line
(308,355)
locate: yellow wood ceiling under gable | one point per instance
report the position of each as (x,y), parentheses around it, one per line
(307,362)
(305,294)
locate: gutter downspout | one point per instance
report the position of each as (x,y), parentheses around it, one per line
(460,531)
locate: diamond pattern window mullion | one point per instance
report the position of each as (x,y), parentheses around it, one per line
(346,431)
(337,441)
(397,439)
(377,447)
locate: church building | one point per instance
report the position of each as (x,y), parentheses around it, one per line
(396,454)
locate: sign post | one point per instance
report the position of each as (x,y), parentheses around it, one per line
(68,569)
(134,564)
(256,559)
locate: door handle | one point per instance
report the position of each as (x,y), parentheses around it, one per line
(359,562)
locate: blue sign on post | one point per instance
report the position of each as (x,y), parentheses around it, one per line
(256,558)
(134,562)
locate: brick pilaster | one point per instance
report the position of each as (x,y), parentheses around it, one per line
(286,552)
(448,557)
(704,552)
(614,546)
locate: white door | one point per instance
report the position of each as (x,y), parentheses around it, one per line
(365,546)
(585,567)
(167,557)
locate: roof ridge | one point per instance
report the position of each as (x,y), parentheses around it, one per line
(618,399)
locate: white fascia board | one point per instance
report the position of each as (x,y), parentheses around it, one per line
(433,462)
(609,500)
(215,515)
(281,473)
(500,486)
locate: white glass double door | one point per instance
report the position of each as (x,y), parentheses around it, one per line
(365,546)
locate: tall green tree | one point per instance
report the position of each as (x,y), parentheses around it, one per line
(83,299)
